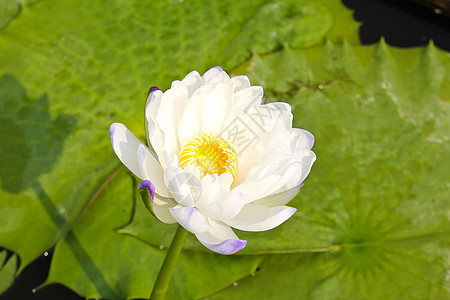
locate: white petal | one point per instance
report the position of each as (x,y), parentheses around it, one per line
(185,187)
(283,106)
(222,77)
(151,109)
(258,189)
(156,139)
(307,159)
(214,188)
(161,208)
(260,217)
(211,73)
(243,126)
(240,82)
(268,153)
(287,176)
(226,208)
(217,107)
(272,116)
(303,139)
(126,144)
(221,239)
(269,149)
(151,170)
(225,181)
(191,219)
(173,103)
(272,148)
(191,120)
(246,98)
(280,198)
(171,159)
(210,190)
(152,104)
(192,82)
(265,180)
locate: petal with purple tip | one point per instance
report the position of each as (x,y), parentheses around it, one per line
(240,82)
(307,159)
(147,184)
(190,218)
(303,138)
(151,170)
(227,247)
(147,191)
(221,239)
(125,145)
(111,131)
(152,104)
(154,88)
(157,205)
(192,82)
(211,73)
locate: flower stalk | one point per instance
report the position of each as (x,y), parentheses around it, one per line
(168,266)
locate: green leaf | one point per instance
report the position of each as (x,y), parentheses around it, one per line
(68,69)
(9,9)
(7,270)
(78,67)
(379,190)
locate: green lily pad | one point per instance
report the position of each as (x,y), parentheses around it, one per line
(78,67)
(7,270)
(68,69)
(376,200)
(9,9)
(378,193)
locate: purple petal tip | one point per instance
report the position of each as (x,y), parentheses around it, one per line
(111,130)
(154,88)
(313,139)
(301,185)
(292,211)
(218,68)
(228,247)
(147,184)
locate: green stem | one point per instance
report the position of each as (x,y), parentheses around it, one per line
(165,273)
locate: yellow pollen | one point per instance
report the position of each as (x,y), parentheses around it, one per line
(211,154)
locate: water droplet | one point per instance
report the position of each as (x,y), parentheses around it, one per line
(235,283)
(45,253)
(161,247)
(320,86)
(33,291)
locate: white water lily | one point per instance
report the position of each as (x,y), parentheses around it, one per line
(218,157)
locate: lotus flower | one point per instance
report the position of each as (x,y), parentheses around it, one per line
(217,157)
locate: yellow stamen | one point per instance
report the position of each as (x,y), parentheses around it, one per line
(211,154)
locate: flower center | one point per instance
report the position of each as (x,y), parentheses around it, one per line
(211,154)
